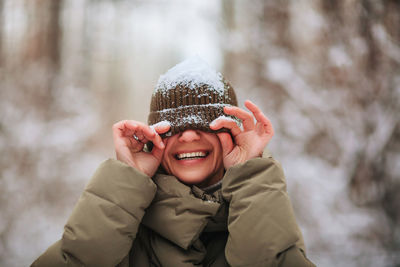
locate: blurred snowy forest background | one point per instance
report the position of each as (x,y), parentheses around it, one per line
(326,72)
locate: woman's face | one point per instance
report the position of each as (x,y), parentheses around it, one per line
(194,157)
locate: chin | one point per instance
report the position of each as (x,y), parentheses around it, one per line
(200,179)
(191,179)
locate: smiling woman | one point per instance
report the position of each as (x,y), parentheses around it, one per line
(192,198)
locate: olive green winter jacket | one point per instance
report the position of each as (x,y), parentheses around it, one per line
(124,218)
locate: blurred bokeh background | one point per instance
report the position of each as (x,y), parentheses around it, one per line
(327,73)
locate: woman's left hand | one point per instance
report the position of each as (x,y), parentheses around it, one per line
(248,143)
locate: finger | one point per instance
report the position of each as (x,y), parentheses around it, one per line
(126,128)
(119,137)
(138,128)
(119,129)
(260,117)
(161,127)
(226,143)
(149,134)
(139,136)
(143,132)
(132,129)
(246,117)
(268,126)
(135,146)
(157,153)
(226,123)
(157,141)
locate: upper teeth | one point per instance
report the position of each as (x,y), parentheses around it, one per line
(191,155)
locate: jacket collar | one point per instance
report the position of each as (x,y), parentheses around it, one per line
(180,213)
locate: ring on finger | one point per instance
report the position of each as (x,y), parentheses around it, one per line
(135,137)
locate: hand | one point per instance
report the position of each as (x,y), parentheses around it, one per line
(130,149)
(248,143)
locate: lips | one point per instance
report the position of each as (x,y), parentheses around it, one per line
(191,155)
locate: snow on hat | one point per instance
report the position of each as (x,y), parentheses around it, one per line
(190,96)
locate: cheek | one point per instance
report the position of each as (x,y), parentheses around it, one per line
(218,152)
(219,160)
(217,145)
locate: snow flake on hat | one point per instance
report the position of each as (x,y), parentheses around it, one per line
(191,73)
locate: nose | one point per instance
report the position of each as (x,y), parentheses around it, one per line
(189,136)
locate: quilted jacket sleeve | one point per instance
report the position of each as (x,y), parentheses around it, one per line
(105,220)
(261,223)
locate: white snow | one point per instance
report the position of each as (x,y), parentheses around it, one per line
(194,106)
(193,118)
(193,73)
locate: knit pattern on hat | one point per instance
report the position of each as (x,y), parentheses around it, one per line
(190,96)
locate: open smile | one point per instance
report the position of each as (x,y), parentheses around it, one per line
(191,155)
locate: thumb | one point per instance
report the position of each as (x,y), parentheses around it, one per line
(226,143)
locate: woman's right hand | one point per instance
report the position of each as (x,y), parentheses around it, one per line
(130,149)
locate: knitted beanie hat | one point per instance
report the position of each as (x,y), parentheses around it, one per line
(190,96)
